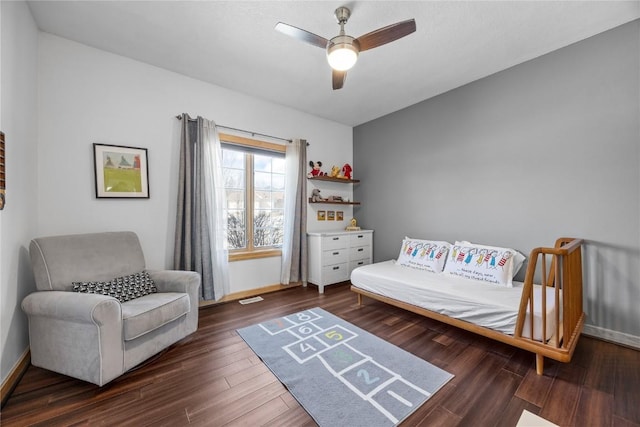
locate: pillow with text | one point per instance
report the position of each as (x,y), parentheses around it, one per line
(427,255)
(491,264)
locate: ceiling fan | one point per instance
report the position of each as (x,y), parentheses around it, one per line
(343,50)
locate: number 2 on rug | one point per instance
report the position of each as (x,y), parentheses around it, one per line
(365,374)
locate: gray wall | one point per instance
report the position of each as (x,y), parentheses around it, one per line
(545,149)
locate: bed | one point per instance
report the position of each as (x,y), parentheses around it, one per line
(545,318)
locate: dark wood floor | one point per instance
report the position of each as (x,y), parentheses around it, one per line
(212,378)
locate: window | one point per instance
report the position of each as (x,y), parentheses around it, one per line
(253,173)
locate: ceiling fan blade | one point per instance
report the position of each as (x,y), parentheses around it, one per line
(302,35)
(338,78)
(386,34)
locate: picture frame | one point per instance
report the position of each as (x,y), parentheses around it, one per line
(322,215)
(331,215)
(340,216)
(121,172)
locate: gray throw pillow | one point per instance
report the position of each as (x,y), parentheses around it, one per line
(123,288)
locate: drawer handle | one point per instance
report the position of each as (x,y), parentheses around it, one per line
(361,262)
(336,253)
(336,268)
(360,249)
(336,238)
(360,236)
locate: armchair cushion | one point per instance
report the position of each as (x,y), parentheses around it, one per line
(123,288)
(149,312)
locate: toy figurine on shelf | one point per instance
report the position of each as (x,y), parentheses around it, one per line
(346,171)
(315,196)
(353,225)
(315,169)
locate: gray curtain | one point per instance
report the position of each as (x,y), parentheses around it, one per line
(294,248)
(194,248)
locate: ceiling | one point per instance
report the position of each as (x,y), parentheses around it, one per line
(233,44)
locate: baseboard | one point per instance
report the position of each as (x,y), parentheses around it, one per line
(14,377)
(621,338)
(247,294)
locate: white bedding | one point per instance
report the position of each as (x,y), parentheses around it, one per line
(484,304)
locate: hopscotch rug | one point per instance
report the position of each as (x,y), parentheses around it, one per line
(343,375)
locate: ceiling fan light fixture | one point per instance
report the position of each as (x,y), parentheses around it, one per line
(342,53)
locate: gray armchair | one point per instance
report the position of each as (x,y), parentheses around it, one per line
(95,337)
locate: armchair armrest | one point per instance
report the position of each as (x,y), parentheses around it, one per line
(76,334)
(74,307)
(176,281)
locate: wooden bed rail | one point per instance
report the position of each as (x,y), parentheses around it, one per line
(563,277)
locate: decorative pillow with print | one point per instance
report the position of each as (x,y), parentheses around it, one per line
(123,288)
(427,255)
(484,263)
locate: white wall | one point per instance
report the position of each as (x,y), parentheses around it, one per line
(18,83)
(88,95)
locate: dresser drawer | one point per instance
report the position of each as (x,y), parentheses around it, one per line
(360,239)
(334,256)
(356,264)
(335,273)
(335,242)
(360,252)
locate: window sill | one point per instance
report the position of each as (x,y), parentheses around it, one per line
(266,253)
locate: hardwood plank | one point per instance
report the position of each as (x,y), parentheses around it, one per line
(513,412)
(490,406)
(535,388)
(477,382)
(627,385)
(439,417)
(562,400)
(262,414)
(595,408)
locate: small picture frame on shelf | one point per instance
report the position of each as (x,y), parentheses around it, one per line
(322,215)
(340,216)
(331,215)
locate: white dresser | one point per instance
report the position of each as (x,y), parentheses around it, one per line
(334,255)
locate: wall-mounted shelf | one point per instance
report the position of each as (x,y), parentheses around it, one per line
(327,178)
(333,179)
(334,203)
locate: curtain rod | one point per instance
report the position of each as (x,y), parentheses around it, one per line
(246,131)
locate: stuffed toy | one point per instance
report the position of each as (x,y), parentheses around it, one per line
(315,196)
(346,171)
(315,169)
(335,172)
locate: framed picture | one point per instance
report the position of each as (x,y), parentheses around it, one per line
(322,215)
(121,172)
(340,216)
(331,215)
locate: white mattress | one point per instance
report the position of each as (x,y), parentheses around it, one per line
(484,304)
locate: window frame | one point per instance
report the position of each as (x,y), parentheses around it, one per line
(250,252)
